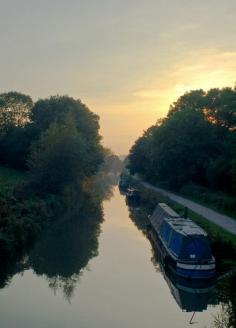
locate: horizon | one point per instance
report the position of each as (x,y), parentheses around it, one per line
(127,61)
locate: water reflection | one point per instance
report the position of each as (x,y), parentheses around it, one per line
(121,290)
(66,248)
(63,251)
(191,296)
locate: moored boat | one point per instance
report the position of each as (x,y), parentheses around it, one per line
(183,245)
(133,194)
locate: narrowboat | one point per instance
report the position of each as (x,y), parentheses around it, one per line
(133,194)
(182,244)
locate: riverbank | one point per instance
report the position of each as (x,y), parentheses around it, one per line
(219,201)
(23,214)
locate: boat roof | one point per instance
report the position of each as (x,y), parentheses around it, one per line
(166,209)
(185,226)
(133,189)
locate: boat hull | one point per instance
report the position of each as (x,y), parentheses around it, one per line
(181,268)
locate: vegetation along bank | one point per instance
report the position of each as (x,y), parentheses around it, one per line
(49,150)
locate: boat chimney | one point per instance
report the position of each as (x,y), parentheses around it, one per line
(185,212)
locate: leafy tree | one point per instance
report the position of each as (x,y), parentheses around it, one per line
(59,157)
(140,154)
(221,107)
(14,110)
(15,146)
(193,100)
(112,163)
(15,132)
(194,143)
(55,108)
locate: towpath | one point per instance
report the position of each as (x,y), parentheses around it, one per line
(223,221)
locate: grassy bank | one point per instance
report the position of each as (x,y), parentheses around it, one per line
(9,178)
(217,200)
(23,215)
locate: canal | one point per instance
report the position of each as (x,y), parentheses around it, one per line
(101,274)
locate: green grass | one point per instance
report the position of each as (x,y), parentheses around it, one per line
(9,178)
(216,200)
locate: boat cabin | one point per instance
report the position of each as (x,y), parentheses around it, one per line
(185,239)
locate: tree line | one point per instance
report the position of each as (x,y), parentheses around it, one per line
(194,144)
(56,142)
(56,139)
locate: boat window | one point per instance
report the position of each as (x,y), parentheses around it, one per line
(198,246)
(165,231)
(176,242)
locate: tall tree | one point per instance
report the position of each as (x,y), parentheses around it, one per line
(194,143)
(60,157)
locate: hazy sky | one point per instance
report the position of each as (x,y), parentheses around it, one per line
(126,59)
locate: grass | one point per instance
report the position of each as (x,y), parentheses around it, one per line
(217,200)
(9,178)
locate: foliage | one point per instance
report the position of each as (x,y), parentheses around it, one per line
(68,149)
(10,177)
(195,143)
(218,200)
(14,110)
(57,141)
(112,163)
(15,132)
(54,109)
(20,222)
(57,158)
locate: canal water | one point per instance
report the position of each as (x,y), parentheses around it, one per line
(101,274)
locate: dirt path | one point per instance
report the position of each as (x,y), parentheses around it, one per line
(221,220)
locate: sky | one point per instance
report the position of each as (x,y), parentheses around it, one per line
(127,60)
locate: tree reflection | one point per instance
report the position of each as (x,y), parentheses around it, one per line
(66,248)
(226,292)
(139,216)
(63,251)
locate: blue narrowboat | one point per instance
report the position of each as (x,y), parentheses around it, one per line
(183,245)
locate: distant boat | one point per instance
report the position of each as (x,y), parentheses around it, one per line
(182,244)
(133,194)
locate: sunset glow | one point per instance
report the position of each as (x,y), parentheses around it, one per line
(127,60)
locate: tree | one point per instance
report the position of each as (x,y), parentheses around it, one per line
(14,110)
(62,157)
(54,109)
(194,143)
(15,132)
(221,107)
(192,100)
(55,159)
(140,154)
